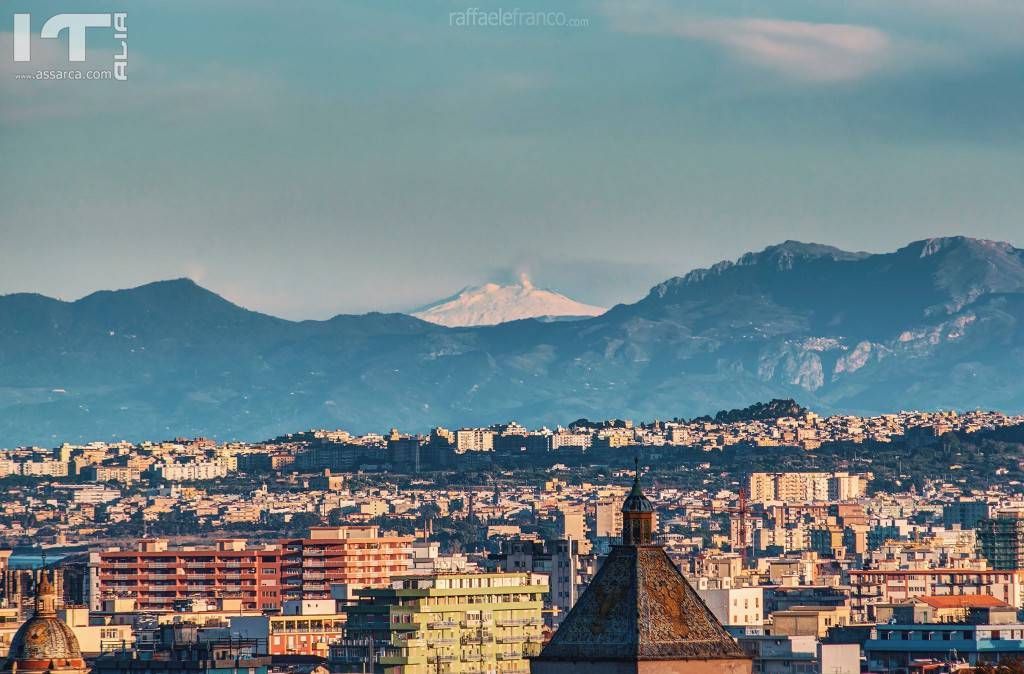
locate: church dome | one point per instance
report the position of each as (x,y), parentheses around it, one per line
(44,643)
(43,639)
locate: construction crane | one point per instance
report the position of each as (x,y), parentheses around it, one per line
(741,510)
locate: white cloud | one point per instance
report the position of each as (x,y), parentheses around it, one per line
(803,50)
(819,52)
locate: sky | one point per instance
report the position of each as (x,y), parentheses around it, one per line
(311,158)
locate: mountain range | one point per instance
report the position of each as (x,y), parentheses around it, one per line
(936,324)
(492,303)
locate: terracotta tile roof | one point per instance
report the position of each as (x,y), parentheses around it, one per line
(964,601)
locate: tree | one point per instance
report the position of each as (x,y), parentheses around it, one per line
(300,523)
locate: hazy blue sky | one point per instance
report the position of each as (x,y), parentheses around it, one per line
(309,158)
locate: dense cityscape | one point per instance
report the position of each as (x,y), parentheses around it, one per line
(580,337)
(821,544)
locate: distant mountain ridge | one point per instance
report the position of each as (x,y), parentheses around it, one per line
(492,303)
(936,324)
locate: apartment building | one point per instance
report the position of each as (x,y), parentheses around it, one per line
(872,587)
(45,468)
(304,627)
(911,637)
(122,474)
(156,576)
(456,623)
(608,517)
(571,524)
(734,606)
(352,556)
(1001,540)
(191,471)
(569,439)
(805,487)
(559,560)
(474,440)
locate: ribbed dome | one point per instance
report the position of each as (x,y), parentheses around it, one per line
(44,638)
(44,643)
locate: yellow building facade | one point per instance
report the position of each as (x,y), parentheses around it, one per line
(453,623)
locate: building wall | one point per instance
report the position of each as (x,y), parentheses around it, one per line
(895,586)
(355,556)
(156,579)
(739,606)
(458,622)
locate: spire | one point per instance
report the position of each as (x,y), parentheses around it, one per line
(637,514)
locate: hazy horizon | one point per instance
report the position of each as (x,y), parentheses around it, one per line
(379,157)
(412,310)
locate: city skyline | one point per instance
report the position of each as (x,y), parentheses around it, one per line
(660,336)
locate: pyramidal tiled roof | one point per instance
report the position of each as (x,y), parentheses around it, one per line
(639,607)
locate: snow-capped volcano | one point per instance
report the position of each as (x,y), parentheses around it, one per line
(492,303)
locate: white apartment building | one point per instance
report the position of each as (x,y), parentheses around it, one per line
(736,606)
(187,472)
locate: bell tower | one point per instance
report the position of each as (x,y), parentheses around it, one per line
(637,514)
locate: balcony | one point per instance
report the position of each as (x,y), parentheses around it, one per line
(514,639)
(411,643)
(441,624)
(434,643)
(404,626)
(478,638)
